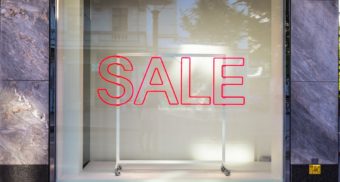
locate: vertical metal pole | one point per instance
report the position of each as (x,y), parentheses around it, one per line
(224,116)
(223,140)
(117,123)
(224,124)
(155,14)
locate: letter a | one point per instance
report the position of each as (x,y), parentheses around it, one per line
(150,85)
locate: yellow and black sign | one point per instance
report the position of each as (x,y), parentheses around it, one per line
(314,169)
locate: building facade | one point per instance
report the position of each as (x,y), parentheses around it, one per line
(58,125)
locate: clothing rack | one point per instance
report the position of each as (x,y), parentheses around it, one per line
(118,166)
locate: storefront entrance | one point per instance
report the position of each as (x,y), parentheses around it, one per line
(172,89)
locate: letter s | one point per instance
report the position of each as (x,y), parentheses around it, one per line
(104,70)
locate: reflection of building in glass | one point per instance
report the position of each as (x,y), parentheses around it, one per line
(127,26)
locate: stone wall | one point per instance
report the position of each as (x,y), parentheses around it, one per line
(314,75)
(314,86)
(24,48)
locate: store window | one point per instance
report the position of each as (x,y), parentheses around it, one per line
(169,89)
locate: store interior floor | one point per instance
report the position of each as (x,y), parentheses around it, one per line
(104,171)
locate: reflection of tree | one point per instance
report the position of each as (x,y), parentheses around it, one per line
(258,24)
(213,21)
(223,21)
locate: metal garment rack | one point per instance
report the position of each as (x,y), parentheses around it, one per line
(118,166)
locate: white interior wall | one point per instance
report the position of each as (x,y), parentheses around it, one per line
(69,87)
(278,68)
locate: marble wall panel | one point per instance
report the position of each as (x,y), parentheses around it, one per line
(24,52)
(314,72)
(314,122)
(314,42)
(23,122)
(24,40)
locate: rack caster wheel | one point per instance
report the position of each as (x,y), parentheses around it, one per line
(117,171)
(120,167)
(223,169)
(227,172)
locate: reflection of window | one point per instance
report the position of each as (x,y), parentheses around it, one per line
(119,19)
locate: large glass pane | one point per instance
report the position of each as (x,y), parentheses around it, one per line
(189,85)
